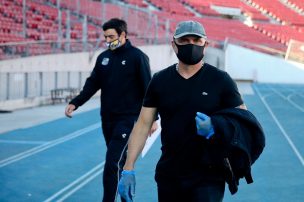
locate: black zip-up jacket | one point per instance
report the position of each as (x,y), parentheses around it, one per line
(244,139)
(123,76)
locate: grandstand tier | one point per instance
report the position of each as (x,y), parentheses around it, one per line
(43,27)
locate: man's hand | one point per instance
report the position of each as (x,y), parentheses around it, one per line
(203,125)
(126,185)
(69,110)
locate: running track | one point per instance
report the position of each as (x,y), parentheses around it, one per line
(61,159)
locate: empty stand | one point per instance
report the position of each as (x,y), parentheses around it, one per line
(172,7)
(279,11)
(280,33)
(297,4)
(146,25)
(42,24)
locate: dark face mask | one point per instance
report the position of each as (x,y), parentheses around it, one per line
(190,54)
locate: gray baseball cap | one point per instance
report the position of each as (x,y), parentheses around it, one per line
(189,28)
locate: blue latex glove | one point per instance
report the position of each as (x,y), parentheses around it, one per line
(126,185)
(203,125)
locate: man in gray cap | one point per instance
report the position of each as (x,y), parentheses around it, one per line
(185,95)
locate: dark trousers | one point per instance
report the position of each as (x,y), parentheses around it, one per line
(201,192)
(116,134)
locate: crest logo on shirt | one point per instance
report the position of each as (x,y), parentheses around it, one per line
(105,61)
(204,93)
(123,62)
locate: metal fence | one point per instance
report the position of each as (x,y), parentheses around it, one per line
(76,27)
(25,85)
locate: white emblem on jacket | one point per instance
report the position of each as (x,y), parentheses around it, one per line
(105,61)
(123,62)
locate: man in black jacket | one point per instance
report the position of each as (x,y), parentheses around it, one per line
(122,72)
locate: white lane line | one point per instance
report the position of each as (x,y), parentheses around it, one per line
(294,148)
(151,139)
(93,172)
(22,142)
(288,99)
(48,145)
(81,185)
(295,104)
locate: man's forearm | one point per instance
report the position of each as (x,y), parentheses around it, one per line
(136,144)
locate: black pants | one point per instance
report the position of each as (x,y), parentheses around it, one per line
(116,134)
(202,192)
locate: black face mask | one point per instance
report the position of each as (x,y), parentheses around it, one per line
(190,54)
